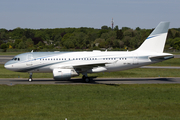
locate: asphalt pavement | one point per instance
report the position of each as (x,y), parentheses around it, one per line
(107,81)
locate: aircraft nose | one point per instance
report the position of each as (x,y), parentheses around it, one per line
(7,65)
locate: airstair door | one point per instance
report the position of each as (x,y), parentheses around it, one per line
(29,60)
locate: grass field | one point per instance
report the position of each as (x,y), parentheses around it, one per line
(10,53)
(90,102)
(170,62)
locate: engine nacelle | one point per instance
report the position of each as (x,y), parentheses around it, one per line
(64,74)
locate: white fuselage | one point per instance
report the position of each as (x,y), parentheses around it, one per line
(90,62)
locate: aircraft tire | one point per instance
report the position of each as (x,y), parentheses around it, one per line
(87,80)
(30,79)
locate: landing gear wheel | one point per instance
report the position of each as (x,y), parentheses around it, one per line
(86,79)
(30,79)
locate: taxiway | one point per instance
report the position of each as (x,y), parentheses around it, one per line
(75,81)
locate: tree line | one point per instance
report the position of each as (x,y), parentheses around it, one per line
(82,38)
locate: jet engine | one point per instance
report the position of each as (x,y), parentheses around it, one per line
(64,74)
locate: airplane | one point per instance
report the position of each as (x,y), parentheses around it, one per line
(64,65)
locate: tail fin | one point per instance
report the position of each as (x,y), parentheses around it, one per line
(156,40)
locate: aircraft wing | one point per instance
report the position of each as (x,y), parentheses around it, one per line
(81,67)
(90,64)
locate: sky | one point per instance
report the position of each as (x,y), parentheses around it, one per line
(37,14)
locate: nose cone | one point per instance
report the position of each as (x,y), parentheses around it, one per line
(9,65)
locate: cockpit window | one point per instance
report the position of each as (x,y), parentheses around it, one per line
(16,59)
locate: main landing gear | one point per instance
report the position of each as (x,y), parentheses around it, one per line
(86,79)
(30,77)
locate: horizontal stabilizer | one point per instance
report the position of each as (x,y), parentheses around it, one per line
(164,56)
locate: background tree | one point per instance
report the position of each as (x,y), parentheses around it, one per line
(21,45)
(29,43)
(4,46)
(18,33)
(81,38)
(116,28)
(104,27)
(119,34)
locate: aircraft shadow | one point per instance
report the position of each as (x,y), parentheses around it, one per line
(136,79)
(94,80)
(114,80)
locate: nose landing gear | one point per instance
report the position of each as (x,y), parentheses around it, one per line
(30,77)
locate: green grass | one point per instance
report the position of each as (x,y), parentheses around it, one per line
(137,72)
(170,62)
(175,53)
(90,102)
(10,53)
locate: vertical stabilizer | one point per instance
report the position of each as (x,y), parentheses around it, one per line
(156,40)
